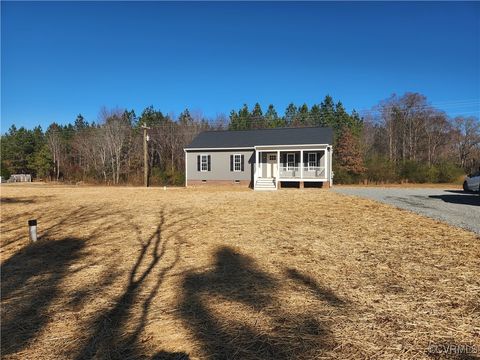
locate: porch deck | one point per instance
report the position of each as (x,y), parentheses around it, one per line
(307,164)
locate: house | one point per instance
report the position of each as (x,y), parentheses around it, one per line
(263,159)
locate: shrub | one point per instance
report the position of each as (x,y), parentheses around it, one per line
(415,172)
(448,172)
(380,169)
(342,176)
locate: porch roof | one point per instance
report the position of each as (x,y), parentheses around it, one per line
(262,137)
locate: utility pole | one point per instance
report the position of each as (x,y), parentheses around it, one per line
(145,154)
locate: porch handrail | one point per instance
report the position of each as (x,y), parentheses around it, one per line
(294,172)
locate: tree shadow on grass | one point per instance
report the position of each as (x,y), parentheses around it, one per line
(30,283)
(32,277)
(16,200)
(24,200)
(115,333)
(237,280)
(320,292)
(79,217)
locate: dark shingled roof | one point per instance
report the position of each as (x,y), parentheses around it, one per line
(251,138)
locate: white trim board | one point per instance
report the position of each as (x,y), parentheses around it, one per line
(214,149)
(259,147)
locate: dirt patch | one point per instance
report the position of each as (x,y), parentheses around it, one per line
(192,274)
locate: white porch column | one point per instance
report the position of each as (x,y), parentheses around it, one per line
(278,168)
(301,164)
(329,158)
(256,168)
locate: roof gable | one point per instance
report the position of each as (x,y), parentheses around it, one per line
(252,138)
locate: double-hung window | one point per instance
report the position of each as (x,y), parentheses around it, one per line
(237,162)
(312,161)
(203,162)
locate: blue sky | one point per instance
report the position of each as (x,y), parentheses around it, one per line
(64,58)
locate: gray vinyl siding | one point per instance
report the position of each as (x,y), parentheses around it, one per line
(220,165)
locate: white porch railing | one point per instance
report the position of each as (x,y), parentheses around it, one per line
(295,172)
(290,172)
(314,172)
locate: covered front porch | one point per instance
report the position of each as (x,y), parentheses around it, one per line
(276,165)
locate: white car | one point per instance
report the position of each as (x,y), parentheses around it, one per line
(472,182)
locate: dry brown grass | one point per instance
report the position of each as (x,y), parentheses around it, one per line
(145,273)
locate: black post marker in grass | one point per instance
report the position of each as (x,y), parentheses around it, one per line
(32,230)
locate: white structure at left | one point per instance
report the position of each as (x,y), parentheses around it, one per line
(20,178)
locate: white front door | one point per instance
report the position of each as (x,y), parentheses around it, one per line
(271,165)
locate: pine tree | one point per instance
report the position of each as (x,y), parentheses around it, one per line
(271,118)
(316,116)
(290,114)
(80,123)
(185,118)
(327,110)
(240,120)
(303,116)
(244,118)
(257,119)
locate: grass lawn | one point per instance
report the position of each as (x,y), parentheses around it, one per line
(127,273)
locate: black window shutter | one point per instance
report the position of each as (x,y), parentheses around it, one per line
(242,157)
(198,162)
(231,162)
(209,168)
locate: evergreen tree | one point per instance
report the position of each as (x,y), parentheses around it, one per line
(327,110)
(240,120)
(151,117)
(234,121)
(356,123)
(272,119)
(257,119)
(42,162)
(302,118)
(290,114)
(80,123)
(185,118)
(244,118)
(342,119)
(316,116)
(18,146)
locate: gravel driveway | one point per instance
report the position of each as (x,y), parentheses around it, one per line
(452,206)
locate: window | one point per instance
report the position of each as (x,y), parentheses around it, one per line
(290,161)
(237,162)
(203,162)
(272,157)
(312,161)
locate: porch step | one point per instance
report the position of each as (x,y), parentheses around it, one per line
(265,184)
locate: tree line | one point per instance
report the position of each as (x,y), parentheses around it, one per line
(402,139)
